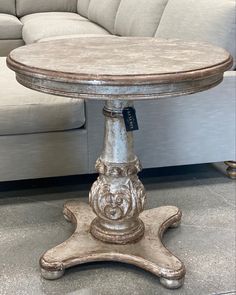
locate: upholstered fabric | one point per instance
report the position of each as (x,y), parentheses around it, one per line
(36,29)
(139,18)
(103,12)
(193,129)
(41,16)
(73,36)
(8,6)
(10,27)
(82,7)
(211,21)
(26,111)
(7,45)
(24,7)
(39,155)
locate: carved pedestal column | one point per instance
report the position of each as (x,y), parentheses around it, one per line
(118,196)
(110,228)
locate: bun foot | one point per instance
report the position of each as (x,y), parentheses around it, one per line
(175,224)
(231,170)
(172,284)
(52,275)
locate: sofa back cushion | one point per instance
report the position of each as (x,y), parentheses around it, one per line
(139,17)
(82,7)
(210,21)
(24,7)
(103,12)
(8,6)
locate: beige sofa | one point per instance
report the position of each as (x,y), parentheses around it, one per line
(44,136)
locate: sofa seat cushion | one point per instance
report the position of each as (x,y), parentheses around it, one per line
(24,111)
(41,16)
(74,36)
(39,28)
(10,27)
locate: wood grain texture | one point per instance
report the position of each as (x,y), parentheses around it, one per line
(97,68)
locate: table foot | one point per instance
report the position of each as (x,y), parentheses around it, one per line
(148,253)
(175,224)
(52,275)
(172,284)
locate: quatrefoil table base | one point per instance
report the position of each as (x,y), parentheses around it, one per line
(148,253)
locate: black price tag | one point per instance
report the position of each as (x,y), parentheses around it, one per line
(130,119)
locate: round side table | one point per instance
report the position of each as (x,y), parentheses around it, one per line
(118,71)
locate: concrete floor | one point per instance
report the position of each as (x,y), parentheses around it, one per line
(31,222)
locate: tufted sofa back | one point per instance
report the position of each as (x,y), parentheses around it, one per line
(82,7)
(124,17)
(139,18)
(8,6)
(210,21)
(24,7)
(104,13)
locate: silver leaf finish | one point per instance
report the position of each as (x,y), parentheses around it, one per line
(119,71)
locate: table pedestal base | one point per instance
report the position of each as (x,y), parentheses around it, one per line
(148,253)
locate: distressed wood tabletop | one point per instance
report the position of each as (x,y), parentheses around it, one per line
(137,68)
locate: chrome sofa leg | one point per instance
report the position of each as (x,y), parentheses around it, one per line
(231,170)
